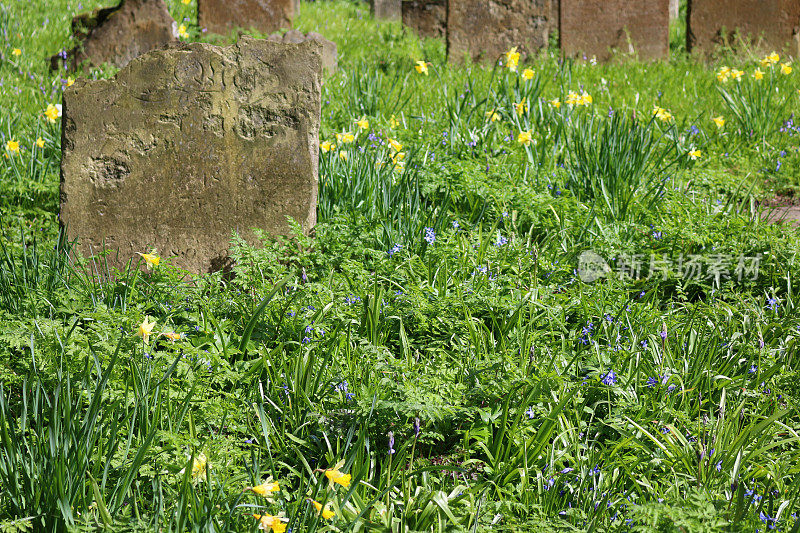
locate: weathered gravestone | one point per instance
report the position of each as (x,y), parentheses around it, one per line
(330,56)
(595,27)
(426,17)
(485,29)
(772,24)
(116,35)
(674,9)
(265,16)
(184,146)
(387,9)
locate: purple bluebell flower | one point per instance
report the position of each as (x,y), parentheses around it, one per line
(609,378)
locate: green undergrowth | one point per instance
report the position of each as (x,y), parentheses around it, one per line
(534,301)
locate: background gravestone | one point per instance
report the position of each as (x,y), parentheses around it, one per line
(674,9)
(594,27)
(775,23)
(265,16)
(426,17)
(197,141)
(115,35)
(386,9)
(485,29)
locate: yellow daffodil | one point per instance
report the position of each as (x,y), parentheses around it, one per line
(326,146)
(555,103)
(396,146)
(719,121)
(525,137)
(521,107)
(512,59)
(770,59)
(421,67)
(758,74)
(345,137)
(265,489)
(16,52)
(736,74)
(398,166)
(527,74)
(40,142)
(186,2)
(182,33)
(199,467)
(492,116)
(326,513)
(343,155)
(585,99)
(363,123)
(662,114)
(172,336)
(393,123)
(695,154)
(150,259)
(52,112)
(276,524)
(145,329)
(12,146)
(786,69)
(573,98)
(70,81)
(334,475)
(723,74)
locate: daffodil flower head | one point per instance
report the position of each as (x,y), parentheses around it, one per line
(16,52)
(182,33)
(335,475)
(492,116)
(363,123)
(172,336)
(268,522)
(199,467)
(326,513)
(758,74)
(786,69)
(719,121)
(70,81)
(585,99)
(145,329)
(343,155)
(393,123)
(345,137)
(528,74)
(40,142)
(572,98)
(266,488)
(52,112)
(521,107)
(555,103)
(525,137)
(695,154)
(736,74)
(326,146)
(512,59)
(421,67)
(395,145)
(151,259)
(724,74)
(12,146)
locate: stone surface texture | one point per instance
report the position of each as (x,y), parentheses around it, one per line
(186,145)
(767,24)
(485,29)
(116,35)
(330,55)
(387,9)
(674,9)
(265,16)
(594,27)
(428,18)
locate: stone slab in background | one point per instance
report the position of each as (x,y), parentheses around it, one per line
(772,25)
(428,18)
(594,27)
(485,29)
(184,146)
(674,9)
(116,35)
(265,16)
(387,9)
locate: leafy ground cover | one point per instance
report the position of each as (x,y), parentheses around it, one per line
(541,295)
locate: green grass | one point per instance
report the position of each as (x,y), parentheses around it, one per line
(437,310)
